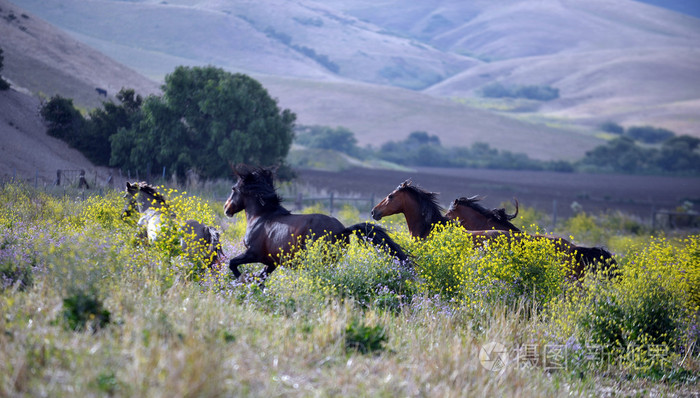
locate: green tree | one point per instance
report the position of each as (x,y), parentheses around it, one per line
(339,139)
(206,120)
(63,120)
(3,84)
(649,134)
(679,154)
(612,128)
(105,122)
(620,154)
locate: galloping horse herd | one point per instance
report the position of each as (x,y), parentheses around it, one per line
(274,234)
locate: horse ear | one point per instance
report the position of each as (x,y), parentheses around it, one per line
(240,169)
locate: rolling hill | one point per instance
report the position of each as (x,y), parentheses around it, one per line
(386,68)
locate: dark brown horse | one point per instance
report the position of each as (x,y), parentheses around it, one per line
(273,234)
(473,216)
(423,212)
(463,210)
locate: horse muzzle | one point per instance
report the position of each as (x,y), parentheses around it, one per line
(376,215)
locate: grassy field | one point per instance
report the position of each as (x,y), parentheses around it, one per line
(87,309)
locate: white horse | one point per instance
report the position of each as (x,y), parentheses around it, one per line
(198,241)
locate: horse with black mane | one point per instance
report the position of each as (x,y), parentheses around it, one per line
(423,212)
(273,234)
(466,210)
(474,216)
(198,240)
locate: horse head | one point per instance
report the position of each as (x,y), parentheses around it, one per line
(254,188)
(393,203)
(130,203)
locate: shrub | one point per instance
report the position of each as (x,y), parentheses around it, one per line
(585,228)
(14,271)
(646,309)
(509,272)
(82,310)
(533,92)
(363,338)
(357,271)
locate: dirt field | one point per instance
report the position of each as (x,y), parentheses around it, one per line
(639,195)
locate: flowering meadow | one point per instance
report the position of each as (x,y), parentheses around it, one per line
(88,307)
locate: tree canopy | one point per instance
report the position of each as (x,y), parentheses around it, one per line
(206,120)
(339,139)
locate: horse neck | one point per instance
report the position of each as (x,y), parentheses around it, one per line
(149,203)
(254,209)
(419,224)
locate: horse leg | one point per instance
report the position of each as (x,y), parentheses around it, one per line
(266,271)
(244,258)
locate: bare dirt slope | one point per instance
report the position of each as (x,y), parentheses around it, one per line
(46,61)
(25,149)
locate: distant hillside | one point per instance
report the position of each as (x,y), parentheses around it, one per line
(623,61)
(340,62)
(43,59)
(26,152)
(689,7)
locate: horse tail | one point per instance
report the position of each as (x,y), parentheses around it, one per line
(512,216)
(378,236)
(590,256)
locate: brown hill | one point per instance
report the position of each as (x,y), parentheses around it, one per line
(26,151)
(41,61)
(46,61)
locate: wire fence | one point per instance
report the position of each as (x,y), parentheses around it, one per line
(82,184)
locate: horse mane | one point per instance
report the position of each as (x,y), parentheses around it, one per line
(151,190)
(258,182)
(427,201)
(499,215)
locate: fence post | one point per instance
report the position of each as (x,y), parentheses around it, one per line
(298,203)
(331,200)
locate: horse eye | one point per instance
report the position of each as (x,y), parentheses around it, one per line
(390,197)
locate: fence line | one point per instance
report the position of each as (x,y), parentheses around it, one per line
(70,185)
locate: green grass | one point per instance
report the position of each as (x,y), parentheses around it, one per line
(337,321)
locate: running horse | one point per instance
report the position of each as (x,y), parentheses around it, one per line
(198,240)
(472,215)
(422,212)
(273,234)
